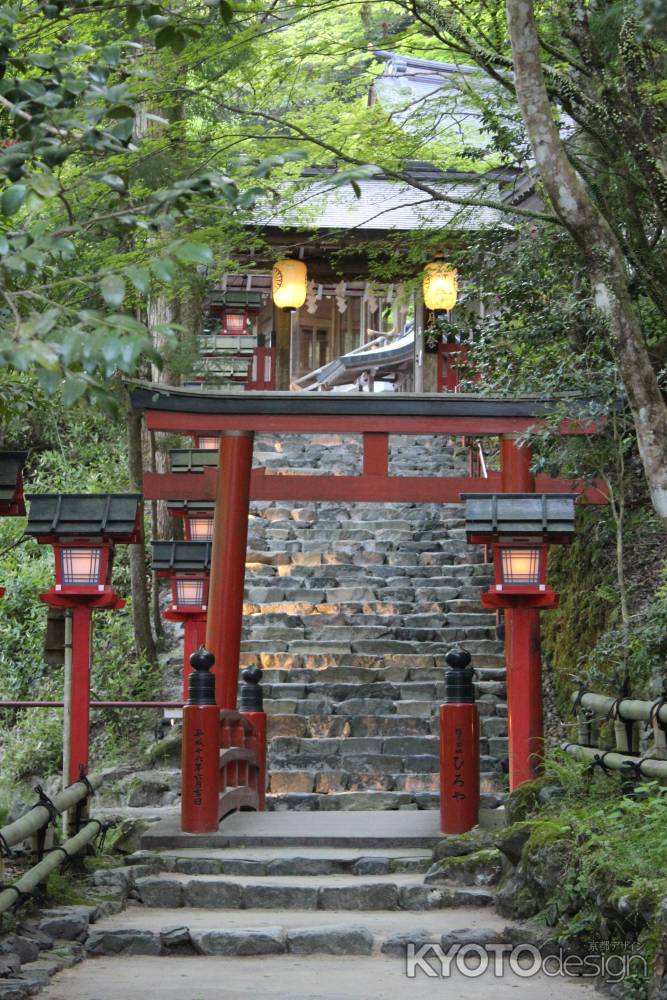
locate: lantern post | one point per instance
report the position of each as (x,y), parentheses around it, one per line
(84,530)
(187,567)
(520,528)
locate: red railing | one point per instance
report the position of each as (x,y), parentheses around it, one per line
(242,770)
(224,751)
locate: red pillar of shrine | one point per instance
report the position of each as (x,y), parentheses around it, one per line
(79,742)
(228,556)
(522,644)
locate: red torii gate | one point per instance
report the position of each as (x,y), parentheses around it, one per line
(237,417)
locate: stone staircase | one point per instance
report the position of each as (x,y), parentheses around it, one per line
(327,920)
(350,611)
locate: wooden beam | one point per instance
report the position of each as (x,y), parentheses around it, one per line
(202,423)
(367,488)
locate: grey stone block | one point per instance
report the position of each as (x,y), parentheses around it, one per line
(213,895)
(283,897)
(330,941)
(123,942)
(306,866)
(19,947)
(371,866)
(67,922)
(480,935)
(160,892)
(237,866)
(176,940)
(240,941)
(359,897)
(16,989)
(421,764)
(10,964)
(397,944)
(198,866)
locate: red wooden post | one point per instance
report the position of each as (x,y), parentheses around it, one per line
(79,741)
(522,645)
(258,720)
(526,728)
(376,455)
(228,556)
(200,777)
(459,748)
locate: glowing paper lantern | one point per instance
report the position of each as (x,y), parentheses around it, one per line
(289,284)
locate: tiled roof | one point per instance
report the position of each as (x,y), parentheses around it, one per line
(384,204)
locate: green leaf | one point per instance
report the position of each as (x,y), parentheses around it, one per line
(193,253)
(40,59)
(44,184)
(129,324)
(164,37)
(114,181)
(157,21)
(163,269)
(140,278)
(4,246)
(178,42)
(73,389)
(112,288)
(226,12)
(132,16)
(12,199)
(121,111)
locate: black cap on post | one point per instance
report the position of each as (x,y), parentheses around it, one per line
(459,686)
(252,698)
(201,682)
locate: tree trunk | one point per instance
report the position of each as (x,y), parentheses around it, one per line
(606,266)
(143,635)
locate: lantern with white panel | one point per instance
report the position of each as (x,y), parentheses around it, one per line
(197,517)
(187,566)
(520,528)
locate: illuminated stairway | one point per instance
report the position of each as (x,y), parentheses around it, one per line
(350,610)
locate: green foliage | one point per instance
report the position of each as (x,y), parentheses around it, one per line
(613,885)
(89,457)
(61,890)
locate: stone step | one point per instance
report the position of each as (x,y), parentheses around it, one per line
(318,661)
(286,861)
(378,706)
(305,893)
(338,692)
(326,782)
(369,675)
(141,932)
(341,764)
(369,800)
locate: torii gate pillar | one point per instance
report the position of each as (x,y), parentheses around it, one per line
(522,644)
(228,557)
